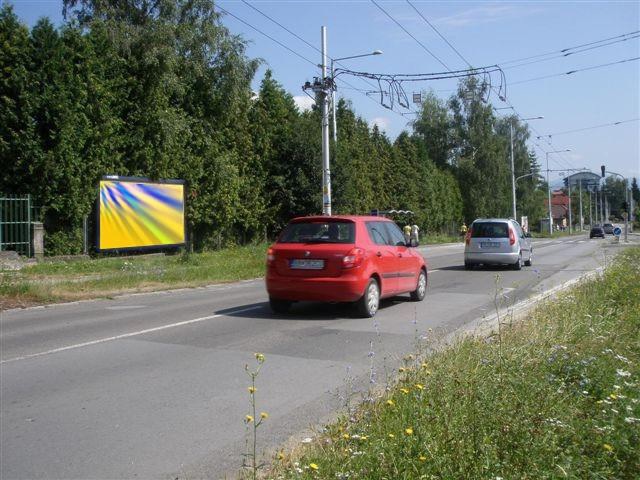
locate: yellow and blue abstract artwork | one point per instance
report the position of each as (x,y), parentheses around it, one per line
(139,214)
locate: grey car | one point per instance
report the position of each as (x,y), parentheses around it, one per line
(495,241)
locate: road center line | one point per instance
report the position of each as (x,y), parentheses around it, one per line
(127,335)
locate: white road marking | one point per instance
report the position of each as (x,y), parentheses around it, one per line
(127,335)
(125,307)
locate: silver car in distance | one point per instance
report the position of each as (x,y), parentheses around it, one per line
(495,241)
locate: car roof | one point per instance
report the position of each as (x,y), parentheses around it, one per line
(340,218)
(479,220)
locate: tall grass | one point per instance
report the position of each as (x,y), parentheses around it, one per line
(72,280)
(557,395)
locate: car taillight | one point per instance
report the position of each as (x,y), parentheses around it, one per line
(271,256)
(353,259)
(512,236)
(467,238)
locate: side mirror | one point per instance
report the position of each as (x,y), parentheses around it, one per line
(527,234)
(413,242)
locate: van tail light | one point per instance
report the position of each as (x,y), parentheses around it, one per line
(271,256)
(512,236)
(353,259)
(467,238)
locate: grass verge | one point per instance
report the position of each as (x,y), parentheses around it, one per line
(555,395)
(74,280)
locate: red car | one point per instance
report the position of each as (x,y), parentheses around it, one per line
(343,259)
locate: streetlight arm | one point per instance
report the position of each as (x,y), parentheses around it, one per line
(524,176)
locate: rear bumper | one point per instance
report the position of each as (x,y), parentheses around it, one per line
(346,288)
(494,258)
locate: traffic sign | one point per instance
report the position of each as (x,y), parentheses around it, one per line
(617,231)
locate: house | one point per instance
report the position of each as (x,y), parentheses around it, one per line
(559,208)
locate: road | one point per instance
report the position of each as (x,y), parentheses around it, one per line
(153,385)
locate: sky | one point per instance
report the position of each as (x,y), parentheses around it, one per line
(484,33)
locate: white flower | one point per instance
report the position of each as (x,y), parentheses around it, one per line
(632,420)
(622,373)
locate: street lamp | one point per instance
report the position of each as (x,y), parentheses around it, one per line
(513,172)
(549,188)
(333,92)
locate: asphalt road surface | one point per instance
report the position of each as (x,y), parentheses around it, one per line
(154,386)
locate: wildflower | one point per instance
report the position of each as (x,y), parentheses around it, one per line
(632,420)
(391,403)
(622,373)
(408,431)
(313,466)
(613,396)
(419,387)
(248,419)
(391,435)
(404,390)
(252,390)
(364,437)
(424,365)
(422,458)
(259,357)
(607,447)
(345,436)
(402,369)
(264,415)
(280,456)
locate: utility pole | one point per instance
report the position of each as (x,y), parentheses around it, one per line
(590,209)
(570,219)
(323,87)
(549,197)
(513,175)
(326,172)
(581,219)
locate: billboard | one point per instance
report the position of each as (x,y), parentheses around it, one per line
(137,213)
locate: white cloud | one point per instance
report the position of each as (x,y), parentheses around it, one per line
(303,102)
(486,14)
(381,122)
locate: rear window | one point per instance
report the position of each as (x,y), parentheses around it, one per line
(319,232)
(490,230)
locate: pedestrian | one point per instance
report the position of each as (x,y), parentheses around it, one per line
(414,232)
(407,234)
(463,229)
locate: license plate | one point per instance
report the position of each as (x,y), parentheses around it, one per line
(489,244)
(306,264)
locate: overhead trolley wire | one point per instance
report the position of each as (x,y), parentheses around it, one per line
(503,98)
(291,50)
(621,37)
(612,124)
(571,72)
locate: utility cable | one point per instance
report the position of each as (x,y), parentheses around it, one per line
(564,55)
(410,34)
(503,98)
(571,72)
(308,44)
(590,128)
(565,50)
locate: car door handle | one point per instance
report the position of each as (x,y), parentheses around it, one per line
(400,255)
(378,254)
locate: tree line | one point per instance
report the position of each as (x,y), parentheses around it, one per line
(163,90)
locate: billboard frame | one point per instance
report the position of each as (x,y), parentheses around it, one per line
(143,248)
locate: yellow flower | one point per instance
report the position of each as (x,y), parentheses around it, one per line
(252,389)
(346,435)
(424,365)
(313,466)
(248,419)
(280,455)
(608,447)
(599,402)
(402,369)
(391,403)
(422,458)
(419,387)
(404,390)
(613,396)
(391,435)
(408,431)
(364,437)
(259,357)
(264,415)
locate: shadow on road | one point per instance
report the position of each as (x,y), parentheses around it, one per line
(305,310)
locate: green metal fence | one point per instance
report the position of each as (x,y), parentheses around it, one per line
(15,223)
